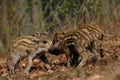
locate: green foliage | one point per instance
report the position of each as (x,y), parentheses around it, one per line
(67,3)
(78,73)
(64,11)
(117,2)
(61,7)
(28,8)
(50,3)
(95,6)
(8,30)
(68,6)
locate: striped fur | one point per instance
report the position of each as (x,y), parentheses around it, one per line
(28,46)
(57,40)
(97,35)
(75,43)
(95,31)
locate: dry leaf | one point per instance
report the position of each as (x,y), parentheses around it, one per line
(50,71)
(33,75)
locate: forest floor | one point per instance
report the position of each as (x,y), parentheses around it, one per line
(107,68)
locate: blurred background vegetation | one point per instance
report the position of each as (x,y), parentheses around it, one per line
(22,17)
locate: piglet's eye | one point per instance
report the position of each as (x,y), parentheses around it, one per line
(45,42)
(36,41)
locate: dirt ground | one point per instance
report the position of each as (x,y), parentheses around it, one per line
(107,68)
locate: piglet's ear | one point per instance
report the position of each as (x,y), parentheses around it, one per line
(38,34)
(36,40)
